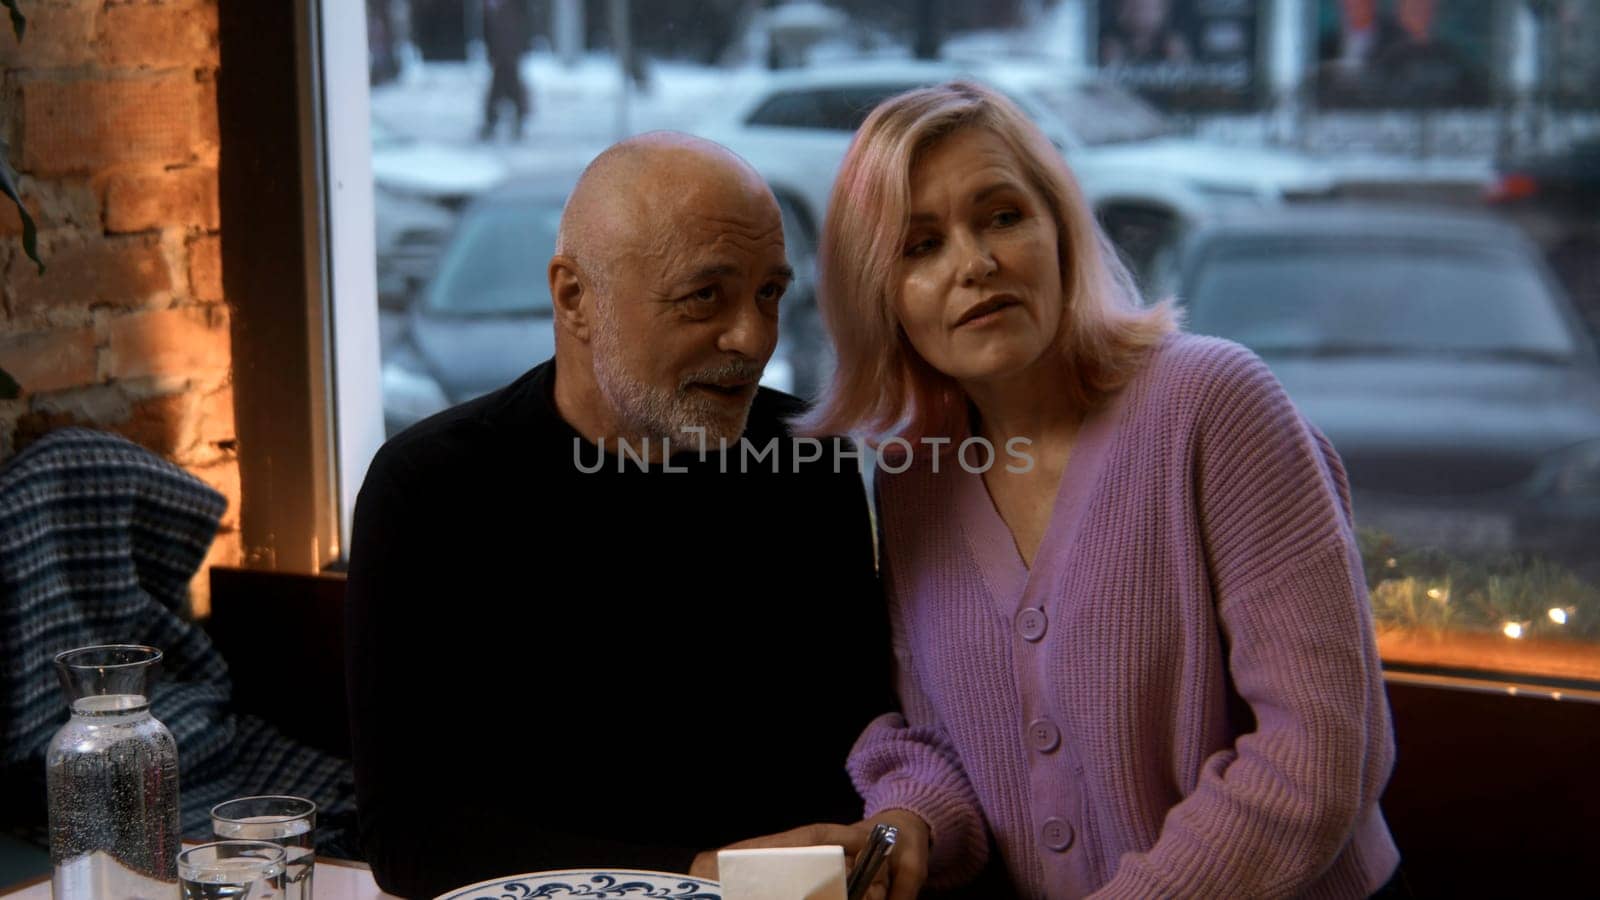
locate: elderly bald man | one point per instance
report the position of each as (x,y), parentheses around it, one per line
(575,638)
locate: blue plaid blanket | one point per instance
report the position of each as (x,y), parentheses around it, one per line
(99,539)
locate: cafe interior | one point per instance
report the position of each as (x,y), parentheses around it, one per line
(192,314)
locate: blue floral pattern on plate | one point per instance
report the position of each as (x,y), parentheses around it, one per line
(602,884)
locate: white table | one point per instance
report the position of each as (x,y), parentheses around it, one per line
(335,879)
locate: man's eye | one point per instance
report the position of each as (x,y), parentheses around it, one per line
(702,298)
(701,303)
(771,292)
(922,247)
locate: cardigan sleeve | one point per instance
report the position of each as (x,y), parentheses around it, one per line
(906,760)
(1272,811)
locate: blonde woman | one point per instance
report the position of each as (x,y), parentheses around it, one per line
(1135,653)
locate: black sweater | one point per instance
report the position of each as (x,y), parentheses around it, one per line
(553,669)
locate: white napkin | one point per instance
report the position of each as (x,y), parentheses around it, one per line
(782,873)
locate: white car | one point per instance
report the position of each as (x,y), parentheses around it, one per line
(419,187)
(1145,180)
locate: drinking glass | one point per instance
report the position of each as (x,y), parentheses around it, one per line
(288,822)
(232,870)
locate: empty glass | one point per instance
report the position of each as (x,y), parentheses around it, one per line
(288,822)
(232,870)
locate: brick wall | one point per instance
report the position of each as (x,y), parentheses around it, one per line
(110,110)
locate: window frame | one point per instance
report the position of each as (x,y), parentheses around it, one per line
(295,187)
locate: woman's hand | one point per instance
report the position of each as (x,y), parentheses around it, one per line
(906,869)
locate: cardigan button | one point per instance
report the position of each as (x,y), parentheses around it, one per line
(1044,735)
(1057,834)
(1031,623)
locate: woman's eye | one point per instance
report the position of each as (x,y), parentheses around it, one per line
(1006,217)
(922,247)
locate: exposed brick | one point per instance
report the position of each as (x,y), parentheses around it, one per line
(164,424)
(53,204)
(98,404)
(205,268)
(81,126)
(157,423)
(122,272)
(157,35)
(224,478)
(142,200)
(227,549)
(216,427)
(11,220)
(51,360)
(8,429)
(189,341)
(102,406)
(33,425)
(57,36)
(208,129)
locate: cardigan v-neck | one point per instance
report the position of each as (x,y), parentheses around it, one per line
(1012,583)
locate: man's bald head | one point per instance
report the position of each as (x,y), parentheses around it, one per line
(665,285)
(629,197)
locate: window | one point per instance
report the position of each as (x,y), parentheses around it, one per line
(1354,204)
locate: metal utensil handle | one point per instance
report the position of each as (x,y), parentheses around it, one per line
(879,845)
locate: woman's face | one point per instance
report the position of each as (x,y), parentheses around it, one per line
(979,278)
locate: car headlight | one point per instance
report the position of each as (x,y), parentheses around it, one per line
(1575,471)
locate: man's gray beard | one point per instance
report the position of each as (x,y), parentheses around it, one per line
(650,412)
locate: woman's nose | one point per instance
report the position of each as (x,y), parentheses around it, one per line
(977,263)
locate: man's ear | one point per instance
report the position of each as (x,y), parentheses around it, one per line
(569,288)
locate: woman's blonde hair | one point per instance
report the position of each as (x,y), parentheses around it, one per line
(882,387)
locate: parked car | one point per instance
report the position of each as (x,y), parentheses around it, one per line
(1436,352)
(485,317)
(1568,181)
(1555,197)
(1143,176)
(419,189)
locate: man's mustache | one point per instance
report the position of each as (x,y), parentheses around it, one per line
(731,371)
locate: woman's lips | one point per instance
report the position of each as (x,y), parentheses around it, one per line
(987,311)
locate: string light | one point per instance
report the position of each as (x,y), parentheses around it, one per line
(1391,562)
(1443,596)
(1558,615)
(1513,630)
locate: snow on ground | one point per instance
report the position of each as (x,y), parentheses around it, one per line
(576,111)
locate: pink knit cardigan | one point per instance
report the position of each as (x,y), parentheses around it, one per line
(1182,698)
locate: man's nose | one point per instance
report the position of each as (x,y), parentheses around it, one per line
(977,263)
(750,332)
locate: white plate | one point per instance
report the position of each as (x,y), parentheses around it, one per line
(595,884)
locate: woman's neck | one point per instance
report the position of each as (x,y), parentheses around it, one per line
(1032,404)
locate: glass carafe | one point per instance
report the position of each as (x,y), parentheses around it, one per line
(113,780)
